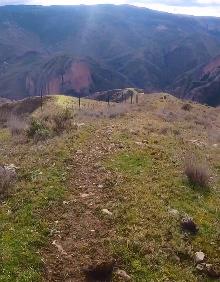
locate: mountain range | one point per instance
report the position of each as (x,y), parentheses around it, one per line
(87,49)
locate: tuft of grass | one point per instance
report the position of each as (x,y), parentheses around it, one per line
(16,125)
(197,173)
(62,121)
(7,178)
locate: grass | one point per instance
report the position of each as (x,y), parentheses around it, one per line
(41,187)
(134,163)
(197,174)
(148,173)
(150,238)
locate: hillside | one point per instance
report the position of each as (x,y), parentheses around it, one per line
(108,182)
(201,84)
(89,49)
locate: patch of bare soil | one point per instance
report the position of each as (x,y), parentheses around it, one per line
(80,236)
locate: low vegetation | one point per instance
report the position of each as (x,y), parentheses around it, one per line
(7,179)
(105,189)
(187,107)
(38,131)
(62,121)
(198,174)
(16,125)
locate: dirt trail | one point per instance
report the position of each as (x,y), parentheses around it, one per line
(81,234)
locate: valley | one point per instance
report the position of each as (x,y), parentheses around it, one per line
(110,144)
(88,49)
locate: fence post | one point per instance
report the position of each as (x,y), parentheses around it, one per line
(108,99)
(132,98)
(122,97)
(79,99)
(41,99)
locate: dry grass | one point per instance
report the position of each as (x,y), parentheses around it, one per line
(7,178)
(104,111)
(62,121)
(197,173)
(16,125)
(214,135)
(4,114)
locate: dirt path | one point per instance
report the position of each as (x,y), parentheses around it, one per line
(80,234)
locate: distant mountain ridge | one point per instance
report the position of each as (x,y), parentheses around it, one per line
(86,49)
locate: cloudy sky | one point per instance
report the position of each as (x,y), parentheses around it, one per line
(191,7)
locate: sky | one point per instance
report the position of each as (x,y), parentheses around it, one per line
(190,7)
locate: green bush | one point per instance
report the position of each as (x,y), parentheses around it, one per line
(62,121)
(38,131)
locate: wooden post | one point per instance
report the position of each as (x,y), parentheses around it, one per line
(41,98)
(108,99)
(136,98)
(79,100)
(131,97)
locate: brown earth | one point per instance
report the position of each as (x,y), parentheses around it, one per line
(81,232)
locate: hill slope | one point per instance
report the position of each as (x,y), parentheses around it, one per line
(121,46)
(201,84)
(110,185)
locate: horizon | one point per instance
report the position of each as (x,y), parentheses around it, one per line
(193,7)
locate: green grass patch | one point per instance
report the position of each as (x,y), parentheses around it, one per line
(4,135)
(150,238)
(131,163)
(24,220)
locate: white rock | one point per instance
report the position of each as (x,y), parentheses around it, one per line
(174,212)
(200,267)
(199,257)
(106,211)
(139,143)
(11,167)
(80,124)
(123,275)
(84,195)
(97,165)
(59,247)
(65,202)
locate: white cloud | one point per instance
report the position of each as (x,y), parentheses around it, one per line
(190,7)
(189,10)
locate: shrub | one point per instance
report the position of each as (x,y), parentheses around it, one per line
(7,178)
(38,131)
(187,107)
(164,130)
(197,174)
(62,121)
(16,125)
